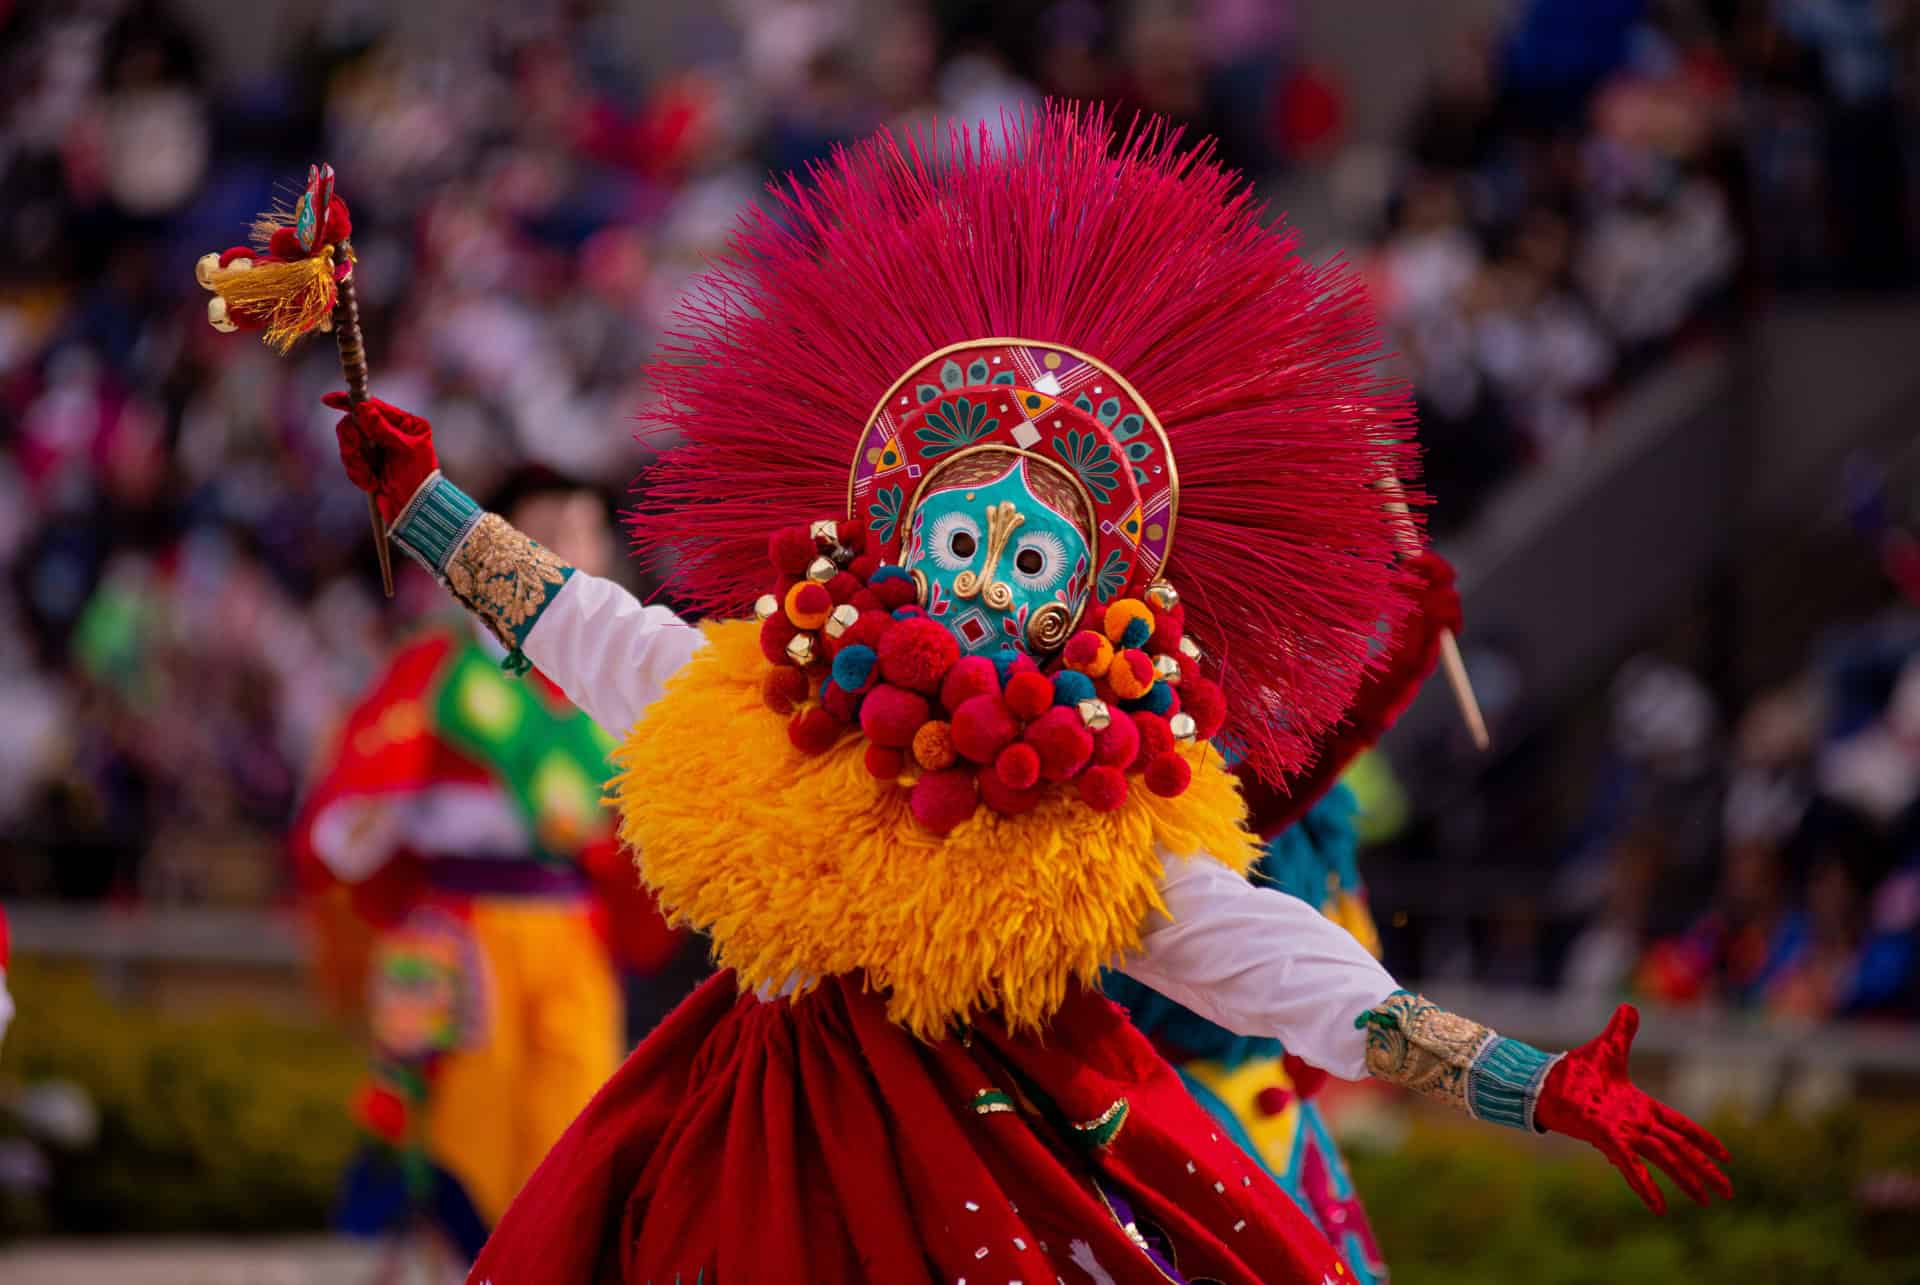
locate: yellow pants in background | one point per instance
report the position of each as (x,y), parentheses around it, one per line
(553,1038)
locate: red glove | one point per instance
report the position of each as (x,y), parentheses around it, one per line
(1589,1096)
(387,451)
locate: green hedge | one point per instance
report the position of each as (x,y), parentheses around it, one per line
(232,1121)
(236,1123)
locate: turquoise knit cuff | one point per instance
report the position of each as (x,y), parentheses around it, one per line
(435,522)
(1504,1082)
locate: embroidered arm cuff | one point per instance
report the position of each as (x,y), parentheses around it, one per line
(1420,1046)
(497,573)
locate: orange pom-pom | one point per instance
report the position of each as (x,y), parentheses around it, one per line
(933,746)
(1122,613)
(1131,675)
(808,605)
(1088,653)
(1029,695)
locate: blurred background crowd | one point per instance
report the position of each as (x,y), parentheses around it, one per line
(1554,200)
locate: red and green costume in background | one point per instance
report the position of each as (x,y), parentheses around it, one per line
(460,869)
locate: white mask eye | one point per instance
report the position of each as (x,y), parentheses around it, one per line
(1039,561)
(954,542)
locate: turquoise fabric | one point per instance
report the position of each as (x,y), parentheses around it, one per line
(1044,560)
(434,523)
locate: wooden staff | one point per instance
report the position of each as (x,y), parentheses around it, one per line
(1451,662)
(353,364)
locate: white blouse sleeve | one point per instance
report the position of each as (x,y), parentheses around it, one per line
(1260,962)
(610,655)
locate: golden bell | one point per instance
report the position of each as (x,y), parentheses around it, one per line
(1095,715)
(765,606)
(821,570)
(1190,649)
(217,316)
(844,617)
(825,531)
(1162,596)
(1184,729)
(1167,670)
(204,268)
(801,651)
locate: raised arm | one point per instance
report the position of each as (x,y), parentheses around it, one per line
(1261,963)
(610,655)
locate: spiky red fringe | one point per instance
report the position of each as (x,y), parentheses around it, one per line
(1262,367)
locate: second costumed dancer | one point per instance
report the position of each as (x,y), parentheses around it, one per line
(1044,466)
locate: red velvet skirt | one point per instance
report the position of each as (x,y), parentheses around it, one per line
(816,1142)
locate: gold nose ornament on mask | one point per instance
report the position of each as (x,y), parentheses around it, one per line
(1003,519)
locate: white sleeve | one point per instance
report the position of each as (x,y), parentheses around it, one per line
(610,655)
(1260,962)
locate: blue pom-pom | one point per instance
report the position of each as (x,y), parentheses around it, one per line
(1070,688)
(1003,663)
(889,572)
(1158,700)
(854,666)
(1138,633)
(908,612)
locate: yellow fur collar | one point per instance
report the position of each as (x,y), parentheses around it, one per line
(807,866)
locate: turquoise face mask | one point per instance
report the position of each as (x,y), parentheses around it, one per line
(997,565)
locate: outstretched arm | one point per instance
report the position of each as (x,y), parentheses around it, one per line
(610,655)
(1259,962)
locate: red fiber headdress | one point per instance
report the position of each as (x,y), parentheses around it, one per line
(1141,260)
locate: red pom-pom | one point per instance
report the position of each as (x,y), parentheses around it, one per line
(885,763)
(1272,1100)
(843,586)
(776,631)
(783,688)
(1018,766)
(1063,741)
(1095,618)
(1029,695)
(864,566)
(896,592)
(868,630)
(1206,704)
(1168,628)
(1131,674)
(970,676)
(891,715)
(1006,800)
(841,705)
(1103,789)
(916,654)
(1168,775)
(1189,667)
(791,549)
(942,800)
(982,727)
(867,600)
(1307,1080)
(1156,738)
(814,732)
(1118,743)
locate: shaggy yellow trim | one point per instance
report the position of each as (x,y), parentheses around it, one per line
(807,866)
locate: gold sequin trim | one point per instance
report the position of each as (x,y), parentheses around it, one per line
(1105,1127)
(503,577)
(991,1102)
(1418,1045)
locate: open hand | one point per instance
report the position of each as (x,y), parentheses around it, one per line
(388,452)
(1588,1095)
